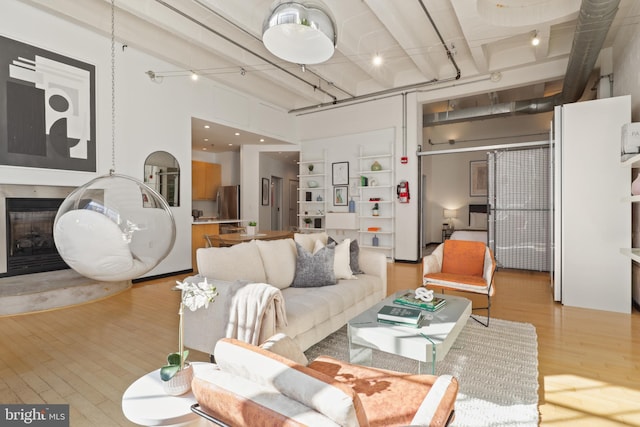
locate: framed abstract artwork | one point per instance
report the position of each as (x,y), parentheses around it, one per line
(340,195)
(50,113)
(478,178)
(340,173)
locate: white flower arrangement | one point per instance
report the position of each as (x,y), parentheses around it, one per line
(194,296)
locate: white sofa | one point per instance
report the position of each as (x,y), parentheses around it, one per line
(312,313)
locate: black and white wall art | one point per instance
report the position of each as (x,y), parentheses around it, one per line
(47,109)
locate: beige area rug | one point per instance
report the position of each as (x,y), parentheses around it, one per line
(497,369)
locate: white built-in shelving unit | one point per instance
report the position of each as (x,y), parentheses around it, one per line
(315,208)
(379,185)
(633,162)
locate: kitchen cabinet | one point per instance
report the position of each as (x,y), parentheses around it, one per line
(205,180)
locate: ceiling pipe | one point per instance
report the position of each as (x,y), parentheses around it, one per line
(594,20)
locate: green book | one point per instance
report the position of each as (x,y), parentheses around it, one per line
(400,314)
(410,300)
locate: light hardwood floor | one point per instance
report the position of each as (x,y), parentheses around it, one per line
(86,356)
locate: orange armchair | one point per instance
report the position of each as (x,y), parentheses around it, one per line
(462,265)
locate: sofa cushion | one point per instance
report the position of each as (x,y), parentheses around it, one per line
(463,257)
(279,260)
(307,386)
(341,260)
(285,346)
(308,240)
(238,262)
(314,269)
(354,253)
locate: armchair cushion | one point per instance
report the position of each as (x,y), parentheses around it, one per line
(463,257)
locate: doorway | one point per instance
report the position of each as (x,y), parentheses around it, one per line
(276,202)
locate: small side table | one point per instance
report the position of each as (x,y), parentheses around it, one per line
(446,233)
(145,402)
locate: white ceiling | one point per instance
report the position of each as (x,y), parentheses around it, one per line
(221,40)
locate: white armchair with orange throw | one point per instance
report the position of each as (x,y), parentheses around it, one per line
(461,265)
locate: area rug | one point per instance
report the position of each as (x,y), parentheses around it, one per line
(496,367)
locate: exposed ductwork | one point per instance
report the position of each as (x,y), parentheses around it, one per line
(594,20)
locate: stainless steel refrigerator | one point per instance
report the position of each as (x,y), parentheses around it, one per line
(228,201)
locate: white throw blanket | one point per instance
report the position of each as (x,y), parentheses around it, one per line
(248,308)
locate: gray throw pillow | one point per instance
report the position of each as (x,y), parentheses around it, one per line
(314,270)
(354,253)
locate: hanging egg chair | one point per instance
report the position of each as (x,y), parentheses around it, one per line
(114,228)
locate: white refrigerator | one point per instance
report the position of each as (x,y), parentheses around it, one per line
(591,220)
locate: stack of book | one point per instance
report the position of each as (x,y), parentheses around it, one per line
(403,316)
(410,300)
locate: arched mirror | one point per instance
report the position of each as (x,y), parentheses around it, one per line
(162,173)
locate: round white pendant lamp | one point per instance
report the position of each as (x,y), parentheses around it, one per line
(298,33)
(114,227)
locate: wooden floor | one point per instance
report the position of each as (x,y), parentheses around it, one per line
(86,356)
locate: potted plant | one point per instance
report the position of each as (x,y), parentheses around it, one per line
(251,228)
(307,221)
(310,167)
(177,374)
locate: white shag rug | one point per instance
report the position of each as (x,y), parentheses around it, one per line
(496,367)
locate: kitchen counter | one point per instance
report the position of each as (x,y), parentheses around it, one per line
(219,221)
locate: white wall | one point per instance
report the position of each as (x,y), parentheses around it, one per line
(149,116)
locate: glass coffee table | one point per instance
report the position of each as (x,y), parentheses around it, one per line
(428,344)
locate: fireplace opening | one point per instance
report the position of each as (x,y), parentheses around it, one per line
(30,244)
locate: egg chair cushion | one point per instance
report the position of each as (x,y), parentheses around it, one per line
(94,246)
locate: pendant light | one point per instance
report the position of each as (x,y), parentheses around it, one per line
(114,227)
(299,33)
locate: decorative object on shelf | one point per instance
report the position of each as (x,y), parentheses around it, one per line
(635,186)
(308,196)
(299,33)
(376,166)
(310,167)
(374,228)
(313,184)
(265,191)
(373,183)
(375,241)
(251,228)
(317,222)
(424,294)
(364,181)
(352,205)
(376,210)
(307,222)
(340,195)
(177,375)
(340,173)
(319,198)
(374,199)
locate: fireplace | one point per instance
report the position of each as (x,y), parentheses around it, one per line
(29,229)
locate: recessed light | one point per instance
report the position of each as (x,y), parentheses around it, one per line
(207,126)
(261,139)
(377,60)
(535,41)
(230,145)
(194,76)
(204,148)
(237,133)
(206,139)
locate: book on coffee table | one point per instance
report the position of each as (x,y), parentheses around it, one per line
(410,300)
(390,313)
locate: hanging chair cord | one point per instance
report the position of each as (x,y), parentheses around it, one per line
(113,89)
